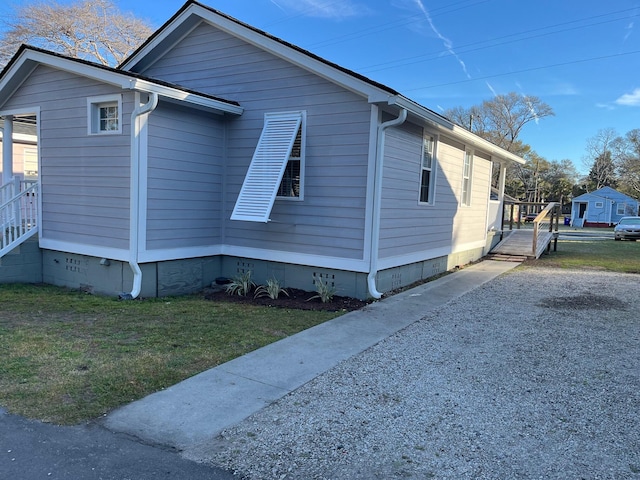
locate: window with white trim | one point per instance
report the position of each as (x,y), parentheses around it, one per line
(466,178)
(104,114)
(291,183)
(599,205)
(428,170)
(276,169)
(621,210)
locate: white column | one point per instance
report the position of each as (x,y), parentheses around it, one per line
(7,150)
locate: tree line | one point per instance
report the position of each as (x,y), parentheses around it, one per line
(612,160)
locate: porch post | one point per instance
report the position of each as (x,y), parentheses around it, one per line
(7,150)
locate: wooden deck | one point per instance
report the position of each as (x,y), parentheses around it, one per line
(520,243)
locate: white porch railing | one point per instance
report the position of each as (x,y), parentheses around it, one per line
(18,214)
(9,190)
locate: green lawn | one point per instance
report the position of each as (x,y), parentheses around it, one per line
(594,254)
(68,356)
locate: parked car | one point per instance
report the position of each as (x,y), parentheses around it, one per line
(628,228)
(530,217)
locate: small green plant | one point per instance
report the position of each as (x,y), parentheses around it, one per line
(272,289)
(241,284)
(324,290)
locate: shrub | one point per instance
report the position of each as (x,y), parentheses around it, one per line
(241,284)
(272,289)
(325,291)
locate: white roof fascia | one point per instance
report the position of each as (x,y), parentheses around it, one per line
(122,80)
(486,146)
(181,95)
(294,56)
(422,112)
(8,77)
(167,32)
(465,136)
(264,42)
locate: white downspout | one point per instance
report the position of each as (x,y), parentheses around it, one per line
(135,191)
(377,200)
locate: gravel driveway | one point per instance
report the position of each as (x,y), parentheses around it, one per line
(533,375)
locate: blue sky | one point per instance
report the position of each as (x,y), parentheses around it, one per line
(582,57)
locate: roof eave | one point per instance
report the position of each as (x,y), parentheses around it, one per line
(460,133)
(192,13)
(184,96)
(28,58)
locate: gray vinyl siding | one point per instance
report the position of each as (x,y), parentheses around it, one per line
(84,178)
(471,221)
(184,178)
(406,226)
(330,219)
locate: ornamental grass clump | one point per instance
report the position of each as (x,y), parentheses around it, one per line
(272,289)
(241,284)
(324,290)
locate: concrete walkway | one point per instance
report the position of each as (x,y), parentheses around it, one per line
(199,408)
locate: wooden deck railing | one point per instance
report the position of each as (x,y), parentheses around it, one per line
(545,228)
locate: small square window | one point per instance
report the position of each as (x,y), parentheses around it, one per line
(599,204)
(104,114)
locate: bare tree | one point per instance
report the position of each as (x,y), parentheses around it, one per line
(626,153)
(93,30)
(501,119)
(599,159)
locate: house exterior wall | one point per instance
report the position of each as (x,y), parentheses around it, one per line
(470,223)
(412,231)
(84,178)
(23,264)
(185,178)
(406,226)
(330,221)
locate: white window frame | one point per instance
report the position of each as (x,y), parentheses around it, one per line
(429,151)
(270,159)
(599,205)
(467,178)
(300,159)
(621,206)
(94,108)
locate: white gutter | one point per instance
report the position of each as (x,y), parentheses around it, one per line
(451,128)
(134,213)
(377,200)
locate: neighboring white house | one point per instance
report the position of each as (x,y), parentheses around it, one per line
(217,148)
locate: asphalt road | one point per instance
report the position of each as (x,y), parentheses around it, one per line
(32,450)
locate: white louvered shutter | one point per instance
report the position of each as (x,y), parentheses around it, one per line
(269,161)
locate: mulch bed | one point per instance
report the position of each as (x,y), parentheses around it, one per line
(296,300)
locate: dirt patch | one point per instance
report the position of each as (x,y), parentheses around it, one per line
(584,302)
(296,300)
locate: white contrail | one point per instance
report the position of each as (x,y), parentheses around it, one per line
(446,42)
(533,111)
(629,31)
(319,8)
